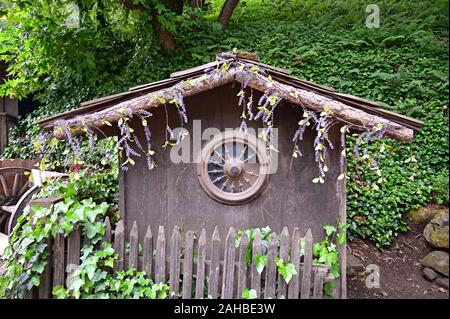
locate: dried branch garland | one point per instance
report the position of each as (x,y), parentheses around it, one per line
(319,113)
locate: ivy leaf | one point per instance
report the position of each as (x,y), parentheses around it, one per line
(93,229)
(249,293)
(260,262)
(287,271)
(328,287)
(39,266)
(59,292)
(329,229)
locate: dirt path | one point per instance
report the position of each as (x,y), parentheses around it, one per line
(399,268)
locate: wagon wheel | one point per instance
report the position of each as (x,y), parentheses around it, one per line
(14,183)
(20,207)
(233,168)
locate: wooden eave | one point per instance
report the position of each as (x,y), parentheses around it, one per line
(280,75)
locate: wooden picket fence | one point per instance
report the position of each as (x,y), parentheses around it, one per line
(188,268)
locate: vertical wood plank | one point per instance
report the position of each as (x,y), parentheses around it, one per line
(58,260)
(160,260)
(174,268)
(73,251)
(342,281)
(271,270)
(134,247)
(256,276)
(318,285)
(201,257)
(15,184)
(45,286)
(187,265)
(213,284)
(119,245)
(228,265)
(242,272)
(342,197)
(107,236)
(73,247)
(284,254)
(148,253)
(307,267)
(293,288)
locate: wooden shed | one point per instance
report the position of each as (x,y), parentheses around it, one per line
(305,188)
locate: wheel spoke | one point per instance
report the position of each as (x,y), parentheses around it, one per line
(232,186)
(224,184)
(248,181)
(218,179)
(220,156)
(215,171)
(249,157)
(243,152)
(15,184)
(227,152)
(24,188)
(216,163)
(223,161)
(4,185)
(251,174)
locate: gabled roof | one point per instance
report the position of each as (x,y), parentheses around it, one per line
(347,107)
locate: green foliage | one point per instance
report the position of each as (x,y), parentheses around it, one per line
(403,64)
(94,279)
(441,189)
(251,233)
(100,186)
(90,277)
(326,253)
(286,270)
(26,256)
(260,262)
(249,293)
(27,253)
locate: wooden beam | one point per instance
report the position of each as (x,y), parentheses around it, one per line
(318,102)
(308,99)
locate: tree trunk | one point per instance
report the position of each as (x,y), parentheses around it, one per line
(196,4)
(167,39)
(227,12)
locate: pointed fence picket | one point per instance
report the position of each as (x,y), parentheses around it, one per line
(205,268)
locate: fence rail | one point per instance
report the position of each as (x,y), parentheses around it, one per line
(195,269)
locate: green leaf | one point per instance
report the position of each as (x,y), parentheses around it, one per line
(59,292)
(249,293)
(260,262)
(329,229)
(287,271)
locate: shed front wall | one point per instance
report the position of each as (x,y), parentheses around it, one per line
(171,195)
